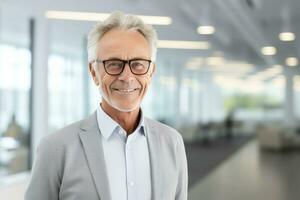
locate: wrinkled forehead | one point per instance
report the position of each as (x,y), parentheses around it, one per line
(124,43)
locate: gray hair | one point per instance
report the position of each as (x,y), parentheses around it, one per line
(115,20)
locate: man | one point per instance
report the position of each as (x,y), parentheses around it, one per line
(116,153)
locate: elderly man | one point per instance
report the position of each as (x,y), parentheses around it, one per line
(116,153)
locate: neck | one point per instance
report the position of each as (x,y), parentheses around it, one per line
(127,120)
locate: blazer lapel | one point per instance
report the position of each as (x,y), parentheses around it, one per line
(155,162)
(91,140)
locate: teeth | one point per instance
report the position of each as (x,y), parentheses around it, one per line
(126,90)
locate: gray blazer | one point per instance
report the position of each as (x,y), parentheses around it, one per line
(70,164)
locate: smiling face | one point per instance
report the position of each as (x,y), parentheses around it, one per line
(123,92)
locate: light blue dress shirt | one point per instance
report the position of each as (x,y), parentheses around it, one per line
(126,158)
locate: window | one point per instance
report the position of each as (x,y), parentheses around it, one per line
(68,90)
(15,86)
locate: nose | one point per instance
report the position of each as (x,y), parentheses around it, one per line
(126,75)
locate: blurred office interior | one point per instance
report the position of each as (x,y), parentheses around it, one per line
(227,78)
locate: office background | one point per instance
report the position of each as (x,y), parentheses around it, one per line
(227,77)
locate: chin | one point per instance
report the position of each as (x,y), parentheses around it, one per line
(125,108)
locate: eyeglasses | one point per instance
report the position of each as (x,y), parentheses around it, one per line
(116,66)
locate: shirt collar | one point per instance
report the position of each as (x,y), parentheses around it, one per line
(107,125)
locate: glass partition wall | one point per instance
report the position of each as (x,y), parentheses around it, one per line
(69,84)
(15,90)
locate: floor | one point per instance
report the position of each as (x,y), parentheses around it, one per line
(252,174)
(204,157)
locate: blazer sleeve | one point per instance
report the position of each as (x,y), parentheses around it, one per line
(45,177)
(182,186)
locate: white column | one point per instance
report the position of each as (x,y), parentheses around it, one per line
(40,86)
(207,97)
(178,119)
(289,110)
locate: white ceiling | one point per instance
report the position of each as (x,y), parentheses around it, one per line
(242,26)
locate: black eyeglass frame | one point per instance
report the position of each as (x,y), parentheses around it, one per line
(124,64)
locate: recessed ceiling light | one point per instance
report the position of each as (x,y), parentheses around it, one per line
(291,61)
(277,66)
(215,61)
(276,69)
(206,30)
(90,16)
(287,36)
(268,50)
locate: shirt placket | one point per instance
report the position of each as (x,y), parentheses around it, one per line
(131,185)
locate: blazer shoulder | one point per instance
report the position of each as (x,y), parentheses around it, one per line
(162,129)
(64,135)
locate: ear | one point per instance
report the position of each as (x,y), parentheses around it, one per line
(93,73)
